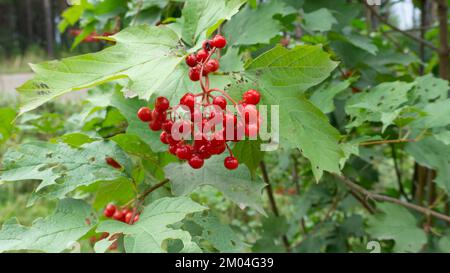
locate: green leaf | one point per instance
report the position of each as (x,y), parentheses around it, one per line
(236,185)
(437,115)
(62,168)
(323,98)
(383,103)
(429,88)
(119,191)
(218,234)
(231,61)
(144,54)
(256,25)
(433,154)
(283,74)
(249,152)
(281,69)
(202,17)
(71,220)
(398,224)
(6,123)
(319,20)
(152,229)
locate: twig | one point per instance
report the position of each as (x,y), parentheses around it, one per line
(148,191)
(398,173)
(272,201)
(387,141)
(379,197)
(407,34)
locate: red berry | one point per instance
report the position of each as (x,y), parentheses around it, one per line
(251,130)
(188,100)
(207,45)
(202,55)
(155,125)
(220,101)
(136,218)
(163,137)
(219,41)
(173,149)
(161,104)
(118,215)
(167,126)
(203,152)
(196,162)
(144,114)
(191,60)
(194,74)
(231,163)
(158,116)
(113,163)
(212,66)
(108,213)
(251,97)
(217,150)
(128,217)
(250,113)
(184,153)
(111,207)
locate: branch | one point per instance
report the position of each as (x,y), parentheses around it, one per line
(407,34)
(398,173)
(273,204)
(379,197)
(387,141)
(148,191)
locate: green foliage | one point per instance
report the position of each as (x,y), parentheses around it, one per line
(71,220)
(344,100)
(152,231)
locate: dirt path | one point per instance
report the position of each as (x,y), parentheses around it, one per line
(9,82)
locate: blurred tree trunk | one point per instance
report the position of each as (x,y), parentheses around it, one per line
(29,8)
(49,28)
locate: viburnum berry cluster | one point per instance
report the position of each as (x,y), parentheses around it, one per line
(203,124)
(125,215)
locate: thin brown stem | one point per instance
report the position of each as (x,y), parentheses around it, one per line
(405,33)
(272,201)
(387,141)
(383,198)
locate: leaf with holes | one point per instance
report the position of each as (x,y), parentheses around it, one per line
(71,220)
(62,168)
(236,185)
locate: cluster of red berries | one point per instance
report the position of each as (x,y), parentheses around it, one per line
(124,215)
(201,124)
(201,63)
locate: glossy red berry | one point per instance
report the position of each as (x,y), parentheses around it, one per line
(113,163)
(161,104)
(167,126)
(219,41)
(211,66)
(196,162)
(251,130)
(191,60)
(128,217)
(144,114)
(173,149)
(184,153)
(220,101)
(118,215)
(251,97)
(194,74)
(188,100)
(136,218)
(155,125)
(202,55)
(159,116)
(109,210)
(231,163)
(163,137)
